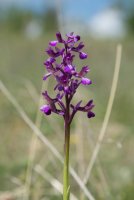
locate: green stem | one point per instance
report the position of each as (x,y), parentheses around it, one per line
(66,187)
(66,164)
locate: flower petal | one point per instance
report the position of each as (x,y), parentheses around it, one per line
(82,55)
(49,61)
(83,71)
(59,37)
(46,109)
(68,68)
(53,43)
(90,103)
(78,48)
(86,81)
(90,114)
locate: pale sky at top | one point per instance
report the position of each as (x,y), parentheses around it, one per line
(81,9)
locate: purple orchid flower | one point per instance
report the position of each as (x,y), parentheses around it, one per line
(67,78)
(61,67)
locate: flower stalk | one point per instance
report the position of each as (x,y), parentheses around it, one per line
(66,186)
(66,164)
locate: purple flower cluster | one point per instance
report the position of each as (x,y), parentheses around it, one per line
(66,76)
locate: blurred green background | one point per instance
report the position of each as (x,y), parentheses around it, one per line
(24,36)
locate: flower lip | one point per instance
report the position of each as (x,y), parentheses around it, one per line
(82,55)
(53,43)
(46,109)
(90,114)
(68,68)
(86,81)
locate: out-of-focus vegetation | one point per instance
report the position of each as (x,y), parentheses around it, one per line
(21,70)
(16,20)
(130,22)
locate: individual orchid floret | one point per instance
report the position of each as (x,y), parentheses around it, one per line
(53,43)
(46,109)
(82,55)
(68,68)
(72,37)
(51,105)
(86,81)
(79,47)
(87,108)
